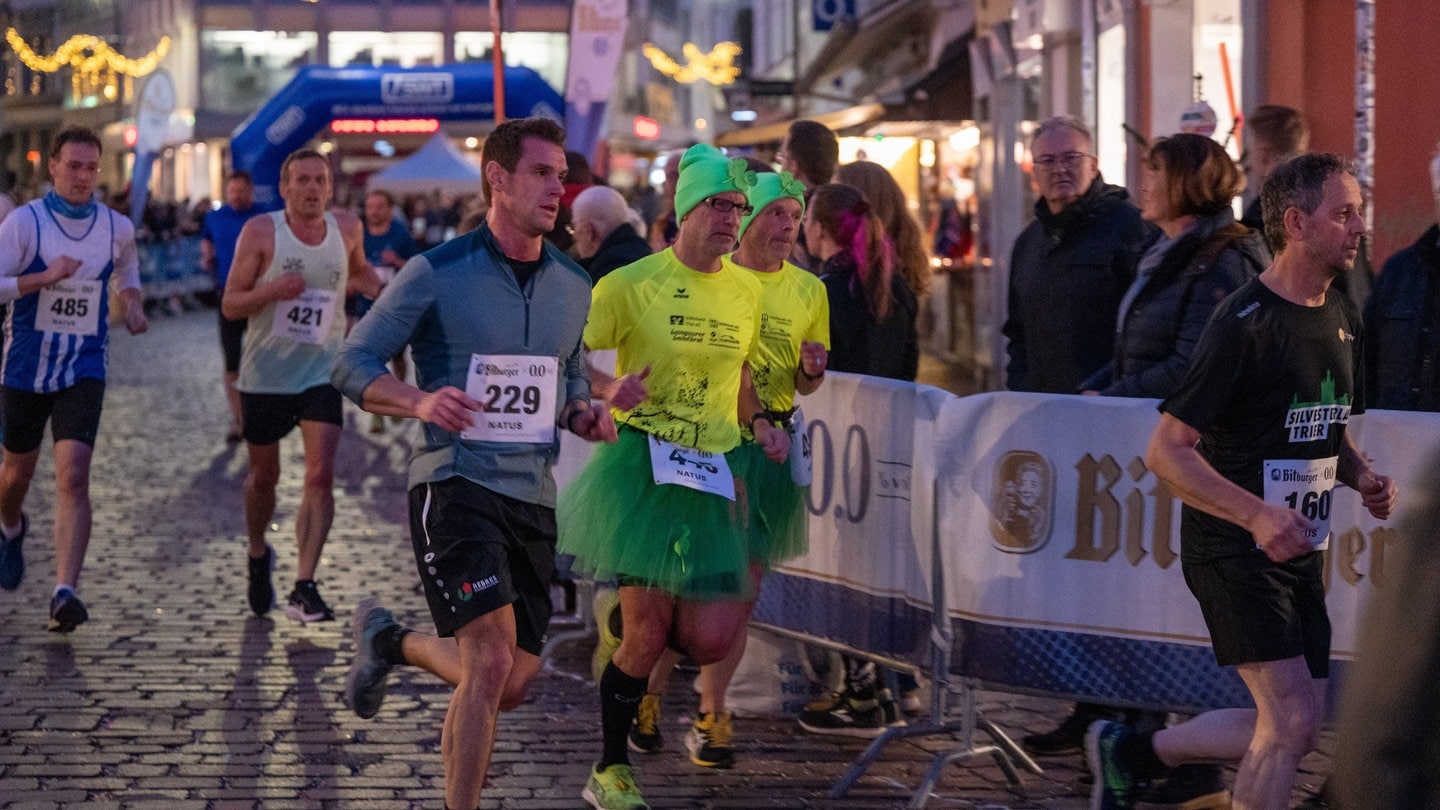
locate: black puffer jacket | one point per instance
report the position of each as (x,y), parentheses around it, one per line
(1158,332)
(1402,340)
(859,344)
(1068,272)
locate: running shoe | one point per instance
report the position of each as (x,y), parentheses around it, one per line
(305,604)
(607,627)
(709,741)
(1115,783)
(645,732)
(365,682)
(850,717)
(1068,737)
(1187,787)
(12,557)
(613,789)
(262,592)
(67,612)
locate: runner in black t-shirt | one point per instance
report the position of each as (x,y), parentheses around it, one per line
(1253,442)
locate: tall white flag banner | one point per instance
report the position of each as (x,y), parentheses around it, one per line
(597,35)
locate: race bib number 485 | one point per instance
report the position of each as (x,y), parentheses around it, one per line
(517,393)
(70,307)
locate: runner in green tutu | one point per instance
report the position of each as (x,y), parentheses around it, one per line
(794,337)
(657,511)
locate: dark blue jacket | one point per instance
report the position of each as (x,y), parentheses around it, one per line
(1160,328)
(1068,272)
(1402,330)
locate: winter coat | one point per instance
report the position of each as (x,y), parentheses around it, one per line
(858,343)
(1402,335)
(619,248)
(1159,330)
(1068,272)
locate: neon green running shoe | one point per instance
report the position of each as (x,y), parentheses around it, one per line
(613,789)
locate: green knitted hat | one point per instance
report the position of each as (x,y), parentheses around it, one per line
(705,172)
(770,187)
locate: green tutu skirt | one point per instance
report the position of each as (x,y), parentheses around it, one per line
(779,526)
(621,525)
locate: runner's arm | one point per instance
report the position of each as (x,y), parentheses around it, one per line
(1172,456)
(1377,492)
(362,277)
(244,294)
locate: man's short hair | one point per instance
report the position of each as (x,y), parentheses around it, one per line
(1057,122)
(601,206)
(814,149)
(1297,183)
(74,135)
(241,175)
(299,155)
(1279,127)
(380,192)
(505,143)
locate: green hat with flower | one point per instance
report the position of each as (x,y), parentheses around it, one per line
(770,187)
(705,172)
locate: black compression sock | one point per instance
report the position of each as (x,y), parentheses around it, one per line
(619,699)
(1139,750)
(389,644)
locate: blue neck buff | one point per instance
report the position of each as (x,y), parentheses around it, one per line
(65,208)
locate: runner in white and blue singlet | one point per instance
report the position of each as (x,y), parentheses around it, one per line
(59,258)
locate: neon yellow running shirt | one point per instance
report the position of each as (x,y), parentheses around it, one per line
(793,308)
(694,330)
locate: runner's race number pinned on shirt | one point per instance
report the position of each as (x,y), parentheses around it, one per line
(517,396)
(305,318)
(70,307)
(1307,486)
(688,467)
(800,461)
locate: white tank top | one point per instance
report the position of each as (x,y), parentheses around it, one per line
(297,356)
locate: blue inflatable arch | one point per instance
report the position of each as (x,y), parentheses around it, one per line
(318,95)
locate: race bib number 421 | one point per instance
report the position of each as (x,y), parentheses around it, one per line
(305,318)
(517,393)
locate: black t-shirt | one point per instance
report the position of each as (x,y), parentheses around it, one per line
(1271,380)
(524,270)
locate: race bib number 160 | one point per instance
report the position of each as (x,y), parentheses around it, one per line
(1307,486)
(517,394)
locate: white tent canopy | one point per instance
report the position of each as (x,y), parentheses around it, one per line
(436,165)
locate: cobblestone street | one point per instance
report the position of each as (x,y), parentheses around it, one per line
(175,697)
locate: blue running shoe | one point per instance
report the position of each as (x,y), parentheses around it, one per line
(1115,784)
(365,683)
(12,557)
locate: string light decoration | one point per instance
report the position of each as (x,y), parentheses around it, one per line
(96,65)
(716,67)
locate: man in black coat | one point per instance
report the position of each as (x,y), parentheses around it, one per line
(605,239)
(1402,324)
(1070,266)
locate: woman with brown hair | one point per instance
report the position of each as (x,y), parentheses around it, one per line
(889,204)
(872,309)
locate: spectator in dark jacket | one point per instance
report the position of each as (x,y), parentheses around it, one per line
(605,237)
(1276,134)
(1200,256)
(872,311)
(1070,266)
(1402,324)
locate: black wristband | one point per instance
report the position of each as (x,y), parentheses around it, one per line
(570,420)
(761,415)
(807,375)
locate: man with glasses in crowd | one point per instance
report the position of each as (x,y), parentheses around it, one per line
(1068,271)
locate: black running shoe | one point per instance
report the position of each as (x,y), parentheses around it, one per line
(365,682)
(262,592)
(67,612)
(305,604)
(12,557)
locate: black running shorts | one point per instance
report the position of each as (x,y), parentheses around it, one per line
(232,337)
(478,551)
(73,413)
(267,418)
(1258,610)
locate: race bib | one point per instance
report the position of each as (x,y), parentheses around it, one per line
(305,318)
(70,307)
(1307,486)
(799,450)
(688,467)
(517,392)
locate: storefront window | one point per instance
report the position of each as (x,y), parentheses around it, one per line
(1218,42)
(544,52)
(404,49)
(240,70)
(1110,124)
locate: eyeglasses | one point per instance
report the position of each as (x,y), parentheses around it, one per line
(1066,159)
(724,206)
